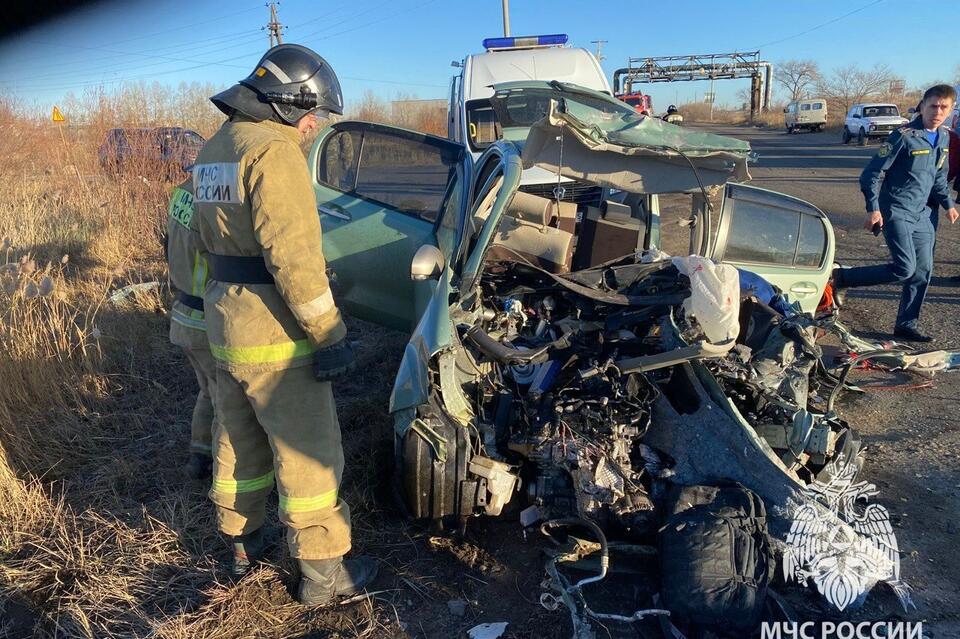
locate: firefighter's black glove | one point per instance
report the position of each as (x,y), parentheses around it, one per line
(333,361)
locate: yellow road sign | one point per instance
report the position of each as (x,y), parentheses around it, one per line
(57,116)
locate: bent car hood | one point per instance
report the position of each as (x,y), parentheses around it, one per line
(588,135)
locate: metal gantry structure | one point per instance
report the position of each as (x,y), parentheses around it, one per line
(709,66)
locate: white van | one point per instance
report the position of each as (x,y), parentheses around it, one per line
(805,114)
(471,119)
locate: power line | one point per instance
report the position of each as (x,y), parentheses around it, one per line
(191,25)
(386,17)
(180,45)
(216,47)
(223,62)
(382,81)
(345,20)
(811,29)
(226,61)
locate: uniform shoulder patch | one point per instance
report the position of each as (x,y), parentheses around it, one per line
(217,183)
(884,150)
(181,206)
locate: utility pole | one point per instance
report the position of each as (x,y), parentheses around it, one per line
(274,26)
(506,18)
(599,43)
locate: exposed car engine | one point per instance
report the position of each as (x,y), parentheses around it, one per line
(563,373)
(566,407)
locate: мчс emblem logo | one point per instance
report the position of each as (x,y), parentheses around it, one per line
(847,554)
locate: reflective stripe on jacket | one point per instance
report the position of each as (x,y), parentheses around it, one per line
(254,197)
(188,268)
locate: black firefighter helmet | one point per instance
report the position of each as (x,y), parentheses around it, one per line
(289,81)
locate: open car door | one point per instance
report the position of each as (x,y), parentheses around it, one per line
(783,239)
(382,193)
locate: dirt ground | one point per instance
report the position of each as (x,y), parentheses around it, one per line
(434,584)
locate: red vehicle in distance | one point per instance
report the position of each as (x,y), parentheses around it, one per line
(642,102)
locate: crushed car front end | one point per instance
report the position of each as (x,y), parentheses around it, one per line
(556,392)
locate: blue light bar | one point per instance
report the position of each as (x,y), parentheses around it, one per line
(525,41)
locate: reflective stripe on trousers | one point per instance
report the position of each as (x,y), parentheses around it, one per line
(281,422)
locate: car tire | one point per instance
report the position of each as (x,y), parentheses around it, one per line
(862,138)
(846,135)
(789,130)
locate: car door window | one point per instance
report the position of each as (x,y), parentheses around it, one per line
(813,242)
(337,166)
(754,235)
(758,228)
(804,107)
(405,175)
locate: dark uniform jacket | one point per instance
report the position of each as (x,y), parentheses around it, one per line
(906,172)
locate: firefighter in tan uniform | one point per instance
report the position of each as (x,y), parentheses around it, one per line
(274,330)
(188,330)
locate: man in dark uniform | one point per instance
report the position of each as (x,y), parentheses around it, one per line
(909,170)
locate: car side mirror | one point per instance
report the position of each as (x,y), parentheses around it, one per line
(427,263)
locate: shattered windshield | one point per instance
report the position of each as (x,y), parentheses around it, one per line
(524,108)
(602,118)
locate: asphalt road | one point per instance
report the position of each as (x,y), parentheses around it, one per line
(912,435)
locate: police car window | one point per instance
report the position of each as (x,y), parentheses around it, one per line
(481,125)
(813,241)
(761,234)
(404,174)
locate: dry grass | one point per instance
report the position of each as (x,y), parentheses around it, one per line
(99,536)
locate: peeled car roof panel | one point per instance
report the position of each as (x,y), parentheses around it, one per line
(599,131)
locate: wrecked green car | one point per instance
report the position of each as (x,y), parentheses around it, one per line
(560,363)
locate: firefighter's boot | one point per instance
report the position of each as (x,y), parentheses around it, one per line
(325,581)
(247,551)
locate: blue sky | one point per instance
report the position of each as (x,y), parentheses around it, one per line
(392,46)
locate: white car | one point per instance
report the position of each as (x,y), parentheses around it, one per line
(868,120)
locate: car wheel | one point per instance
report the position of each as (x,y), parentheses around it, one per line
(846,135)
(789,130)
(862,138)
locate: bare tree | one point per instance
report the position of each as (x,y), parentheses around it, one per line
(797,77)
(850,84)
